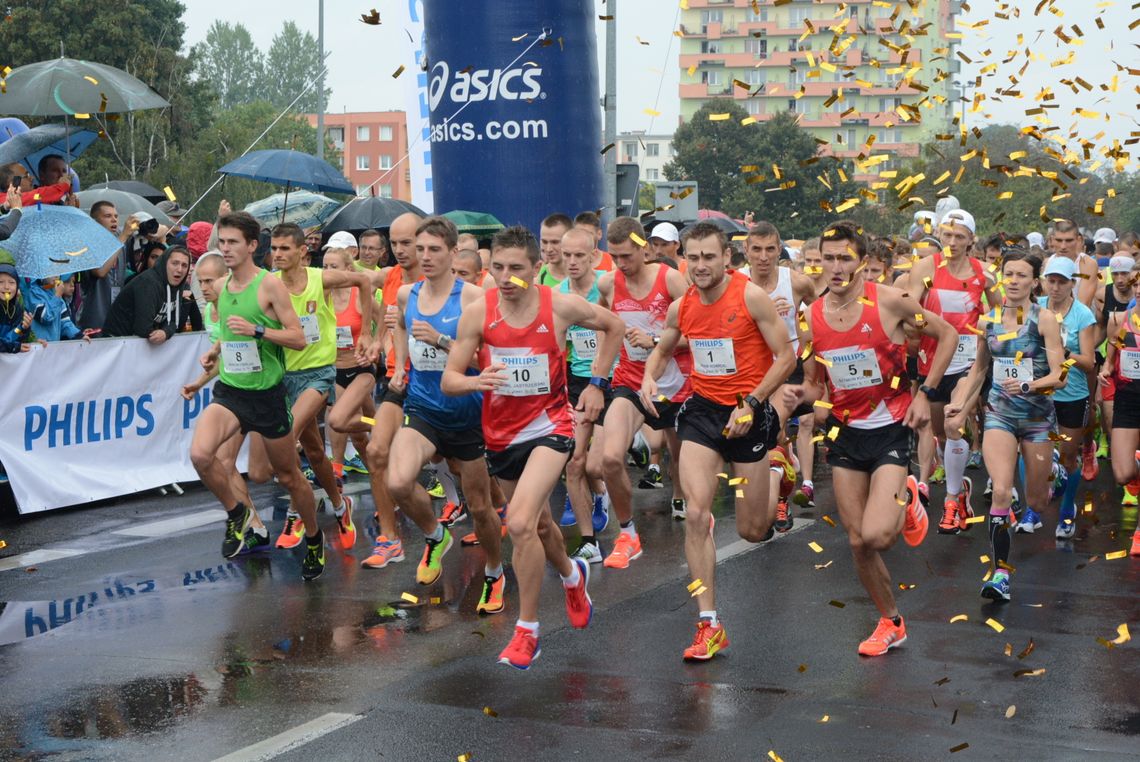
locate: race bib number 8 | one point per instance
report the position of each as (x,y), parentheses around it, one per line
(854,368)
(585,344)
(526,375)
(1130,364)
(713,357)
(311,328)
(1005,368)
(241,357)
(426,357)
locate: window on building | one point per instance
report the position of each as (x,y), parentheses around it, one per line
(362,162)
(754,17)
(758,47)
(385,132)
(629,148)
(889,104)
(652,174)
(712,77)
(797,77)
(755,106)
(336,135)
(796,17)
(849,139)
(652,149)
(385,161)
(362,190)
(711,17)
(712,47)
(364,132)
(756,76)
(385,191)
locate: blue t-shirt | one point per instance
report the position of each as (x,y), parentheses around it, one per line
(425,400)
(1078,318)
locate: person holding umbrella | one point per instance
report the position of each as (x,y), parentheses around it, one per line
(13,203)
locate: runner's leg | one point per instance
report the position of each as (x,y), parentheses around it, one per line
(622,421)
(215,427)
(410,451)
(869,508)
(388,418)
(305,411)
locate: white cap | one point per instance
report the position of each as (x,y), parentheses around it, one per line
(341,240)
(923,215)
(1121,264)
(666,231)
(960,217)
(945,205)
(1035,239)
(1104,235)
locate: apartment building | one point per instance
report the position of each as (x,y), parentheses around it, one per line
(371,143)
(650,152)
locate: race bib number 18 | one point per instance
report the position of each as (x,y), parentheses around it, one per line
(1005,368)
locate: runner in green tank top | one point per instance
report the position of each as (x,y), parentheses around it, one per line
(257,321)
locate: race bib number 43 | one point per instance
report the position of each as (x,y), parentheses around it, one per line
(526,375)
(713,357)
(426,357)
(853,368)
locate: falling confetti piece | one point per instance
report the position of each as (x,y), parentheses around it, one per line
(827,520)
(996,625)
(76,253)
(372,18)
(651,112)
(737,480)
(802,668)
(520,37)
(959,618)
(608,147)
(637,239)
(825,718)
(1012,710)
(465,757)
(519,282)
(490,712)
(370,421)
(1115,555)
(1122,634)
(1029,672)
(435,600)
(398,72)
(942,681)
(984,559)
(409,598)
(815,546)
(823,566)
(837,604)
(694,585)
(959,747)
(975,520)
(772,755)
(3,545)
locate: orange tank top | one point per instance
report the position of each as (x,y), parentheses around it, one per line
(392,283)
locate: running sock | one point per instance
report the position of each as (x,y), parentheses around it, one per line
(532,626)
(338,510)
(807,484)
(448,480)
(957,454)
(316,539)
(654,467)
(629,528)
(710,616)
(999,538)
(574,578)
(237,513)
(260,531)
(590,539)
(1069,497)
(493,573)
(437,535)
(896,620)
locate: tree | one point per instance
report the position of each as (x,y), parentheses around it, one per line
(231,64)
(713,152)
(293,60)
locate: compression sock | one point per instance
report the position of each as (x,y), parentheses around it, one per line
(1069,497)
(999,538)
(957,454)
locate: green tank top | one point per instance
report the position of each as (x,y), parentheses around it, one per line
(318,320)
(546,278)
(208,322)
(247,362)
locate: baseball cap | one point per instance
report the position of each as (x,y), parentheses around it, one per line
(171,209)
(1062,266)
(1035,239)
(1121,264)
(1104,235)
(666,231)
(342,239)
(960,217)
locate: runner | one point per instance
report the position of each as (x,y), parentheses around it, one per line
(1113,302)
(427,315)
(310,372)
(1023,346)
(390,412)
(587,501)
(553,270)
(1067,241)
(640,294)
(256,321)
(857,336)
(741,355)
(813,266)
(527,420)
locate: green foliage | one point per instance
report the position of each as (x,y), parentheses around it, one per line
(647,197)
(230,63)
(292,60)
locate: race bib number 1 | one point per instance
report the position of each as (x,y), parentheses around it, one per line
(713,357)
(1005,368)
(526,375)
(854,369)
(241,357)
(1130,364)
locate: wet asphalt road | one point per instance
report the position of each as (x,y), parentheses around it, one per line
(177,654)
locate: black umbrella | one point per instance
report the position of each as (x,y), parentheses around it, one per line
(371,212)
(137,187)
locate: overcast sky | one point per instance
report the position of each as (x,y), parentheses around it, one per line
(363,57)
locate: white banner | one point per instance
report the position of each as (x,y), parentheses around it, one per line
(81,422)
(416,108)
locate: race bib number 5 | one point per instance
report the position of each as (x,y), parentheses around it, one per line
(1005,368)
(854,368)
(526,375)
(966,351)
(713,357)
(241,357)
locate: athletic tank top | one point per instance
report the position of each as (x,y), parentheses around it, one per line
(427,363)
(582,343)
(649,315)
(349,322)
(318,321)
(1126,374)
(865,368)
(533,403)
(392,283)
(1111,303)
(1017,353)
(784,288)
(959,302)
(1077,318)
(730,356)
(545,278)
(208,323)
(247,362)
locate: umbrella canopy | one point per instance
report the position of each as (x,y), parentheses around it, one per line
(56,240)
(476,223)
(303,208)
(28,146)
(137,187)
(360,214)
(68,87)
(289,168)
(125,203)
(707,214)
(730,226)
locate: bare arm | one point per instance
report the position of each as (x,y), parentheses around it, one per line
(1054,352)
(277,305)
(659,357)
(910,314)
(468,336)
(1089,278)
(400,338)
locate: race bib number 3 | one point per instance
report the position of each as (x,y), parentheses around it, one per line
(526,375)
(854,368)
(713,357)
(585,344)
(426,357)
(966,351)
(311,328)
(343,337)
(1005,368)
(1130,364)
(241,357)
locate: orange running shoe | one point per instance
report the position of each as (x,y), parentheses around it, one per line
(914,530)
(885,637)
(1089,467)
(579,607)
(784,518)
(292,533)
(709,641)
(1135,544)
(344,526)
(386,552)
(522,650)
(948,524)
(471,539)
(626,548)
(453,513)
(491,599)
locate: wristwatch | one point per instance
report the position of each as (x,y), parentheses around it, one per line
(601,382)
(444,342)
(753,403)
(259,332)
(927,390)
(656,340)
(1025,387)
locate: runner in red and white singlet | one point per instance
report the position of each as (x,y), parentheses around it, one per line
(527,421)
(856,332)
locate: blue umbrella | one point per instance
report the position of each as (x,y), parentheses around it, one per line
(291,169)
(55,240)
(28,146)
(305,208)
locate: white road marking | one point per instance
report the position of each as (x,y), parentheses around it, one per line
(169,526)
(293,738)
(37,557)
(743,546)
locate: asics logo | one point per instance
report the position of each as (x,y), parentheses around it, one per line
(474,85)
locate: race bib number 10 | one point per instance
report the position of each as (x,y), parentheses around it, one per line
(526,375)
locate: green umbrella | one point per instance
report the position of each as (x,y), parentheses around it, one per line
(479,224)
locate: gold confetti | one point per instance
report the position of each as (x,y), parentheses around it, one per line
(1115,555)
(772,755)
(372,18)
(366,420)
(409,598)
(975,519)
(76,253)
(719,117)
(823,404)
(815,546)
(996,625)
(802,668)
(490,712)
(1122,636)
(694,585)
(465,757)
(169,193)
(637,239)
(3,545)
(825,718)
(744,419)
(519,282)
(1029,672)
(959,618)
(740,494)
(959,747)
(521,36)
(984,559)
(738,480)
(398,71)
(833,433)
(827,520)
(1012,710)
(823,566)
(651,112)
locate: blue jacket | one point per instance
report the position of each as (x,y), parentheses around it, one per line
(51,318)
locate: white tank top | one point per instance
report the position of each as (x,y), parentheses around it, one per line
(784,288)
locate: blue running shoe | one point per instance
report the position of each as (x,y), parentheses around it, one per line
(356,465)
(567,519)
(997,588)
(1030,522)
(1067,523)
(601,515)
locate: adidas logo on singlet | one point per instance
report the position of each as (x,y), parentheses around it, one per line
(543,329)
(866,328)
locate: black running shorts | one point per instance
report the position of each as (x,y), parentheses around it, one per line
(702,421)
(867,449)
(261,411)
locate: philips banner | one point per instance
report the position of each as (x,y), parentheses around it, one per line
(515,117)
(82,422)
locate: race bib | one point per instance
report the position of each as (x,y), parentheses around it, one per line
(966,351)
(311,328)
(637,354)
(241,357)
(713,357)
(344,337)
(585,344)
(1130,364)
(426,357)
(527,375)
(854,369)
(1006,368)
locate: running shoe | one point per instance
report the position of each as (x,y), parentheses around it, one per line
(292,532)
(356,465)
(1029,523)
(1066,523)
(255,541)
(965,500)
(708,642)
(313,565)
(1131,495)
(626,548)
(1089,466)
(491,599)
(652,479)
(453,514)
(677,509)
(916,524)
(311,475)
(887,635)
(1135,552)
(590,552)
(234,540)
(435,488)
(996,588)
(638,452)
(568,519)
(579,607)
(939,475)
(523,649)
(948,524)
(601,513)
(805,496)
(386,552)
(470,540)
(784,518)
(431,565)
(344,525)
(974,461)
(1014,502)
(1102,448)
(1060,476)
